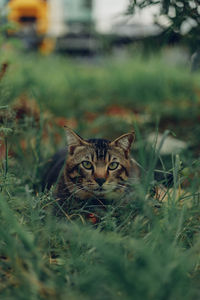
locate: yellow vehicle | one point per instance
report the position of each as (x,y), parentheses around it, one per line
(27,12)
(31,16)
(63,25)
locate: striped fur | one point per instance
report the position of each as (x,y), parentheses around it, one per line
(109,167)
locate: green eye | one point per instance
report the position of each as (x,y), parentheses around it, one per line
(87,164)
(113,165)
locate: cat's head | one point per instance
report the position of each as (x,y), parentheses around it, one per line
(97,167)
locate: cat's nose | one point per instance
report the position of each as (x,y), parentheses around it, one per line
(100,181)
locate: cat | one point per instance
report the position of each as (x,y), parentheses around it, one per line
(92,169)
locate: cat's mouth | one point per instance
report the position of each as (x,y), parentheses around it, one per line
(99,190)
(102,191)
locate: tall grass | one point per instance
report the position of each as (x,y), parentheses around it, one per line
(69,88)
(141,248)
(138,250)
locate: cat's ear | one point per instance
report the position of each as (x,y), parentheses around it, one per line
(124,141)
(73,140)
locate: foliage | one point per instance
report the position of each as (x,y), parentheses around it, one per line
(181,17)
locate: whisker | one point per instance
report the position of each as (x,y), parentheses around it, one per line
(75,192)
(68,198)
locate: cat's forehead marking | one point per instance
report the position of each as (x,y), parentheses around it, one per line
(100,147)
(98,150)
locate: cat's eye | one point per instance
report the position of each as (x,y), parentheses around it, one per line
(113,165)
(87,164)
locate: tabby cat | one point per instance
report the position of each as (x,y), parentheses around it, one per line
(94,168)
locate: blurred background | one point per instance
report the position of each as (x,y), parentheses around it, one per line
(101,67)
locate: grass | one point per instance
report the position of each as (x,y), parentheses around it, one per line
(93,87)
(141,248)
